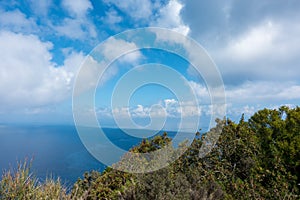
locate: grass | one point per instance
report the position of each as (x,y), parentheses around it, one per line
(22,184)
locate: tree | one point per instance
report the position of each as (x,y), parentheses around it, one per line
(255,159)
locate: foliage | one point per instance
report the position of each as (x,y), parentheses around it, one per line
(254,159)
(278,161)
(258,159)
(21,184)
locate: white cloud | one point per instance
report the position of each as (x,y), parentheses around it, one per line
(153,13)
(260,92)
(28,77)
(112,17)
(78,25)
(249,97)
(112,20)
(77,28)
(189,109)
(89,73)
(132,57)
(169,17)
(93,67)
(201,92)
(16,21)
(114,48)
(249,110)
(41,7)
(137,9)
(253,92)
(78,8)
(267,52)
(252,40)
(104,112)
(235,112)
(195,54)
(290,92)
(140,111)
(166,108)
(256,43)
(121,112)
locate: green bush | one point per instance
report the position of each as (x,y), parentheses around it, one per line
(21,184)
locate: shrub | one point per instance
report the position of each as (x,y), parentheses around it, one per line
(21,184)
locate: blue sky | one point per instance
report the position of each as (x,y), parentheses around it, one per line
(255,45)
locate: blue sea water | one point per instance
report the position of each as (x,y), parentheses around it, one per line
(57,151)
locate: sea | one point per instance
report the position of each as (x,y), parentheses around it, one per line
(55,151)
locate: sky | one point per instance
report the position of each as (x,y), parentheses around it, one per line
(254,44)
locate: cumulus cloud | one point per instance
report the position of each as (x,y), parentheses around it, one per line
(249,41)
(110,52)
(168,113)
(90,72)
(126,53)
(98,64)
(214,22)
(207,20)
(28,76)
(260,92)
(266,52)
(255,44)
(201,92)
(257,92)
(16,21)
(112,18)
(249,97)
(77,8)
(136,9)
(81,29)
(169,17)
(165,108)
(41,7)
(153,13)
(77,25)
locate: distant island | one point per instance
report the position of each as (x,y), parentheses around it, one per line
(257,158)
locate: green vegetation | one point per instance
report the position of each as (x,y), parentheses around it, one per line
(21,184)
(254,159)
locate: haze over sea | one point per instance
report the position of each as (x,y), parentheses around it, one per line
(56,150)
